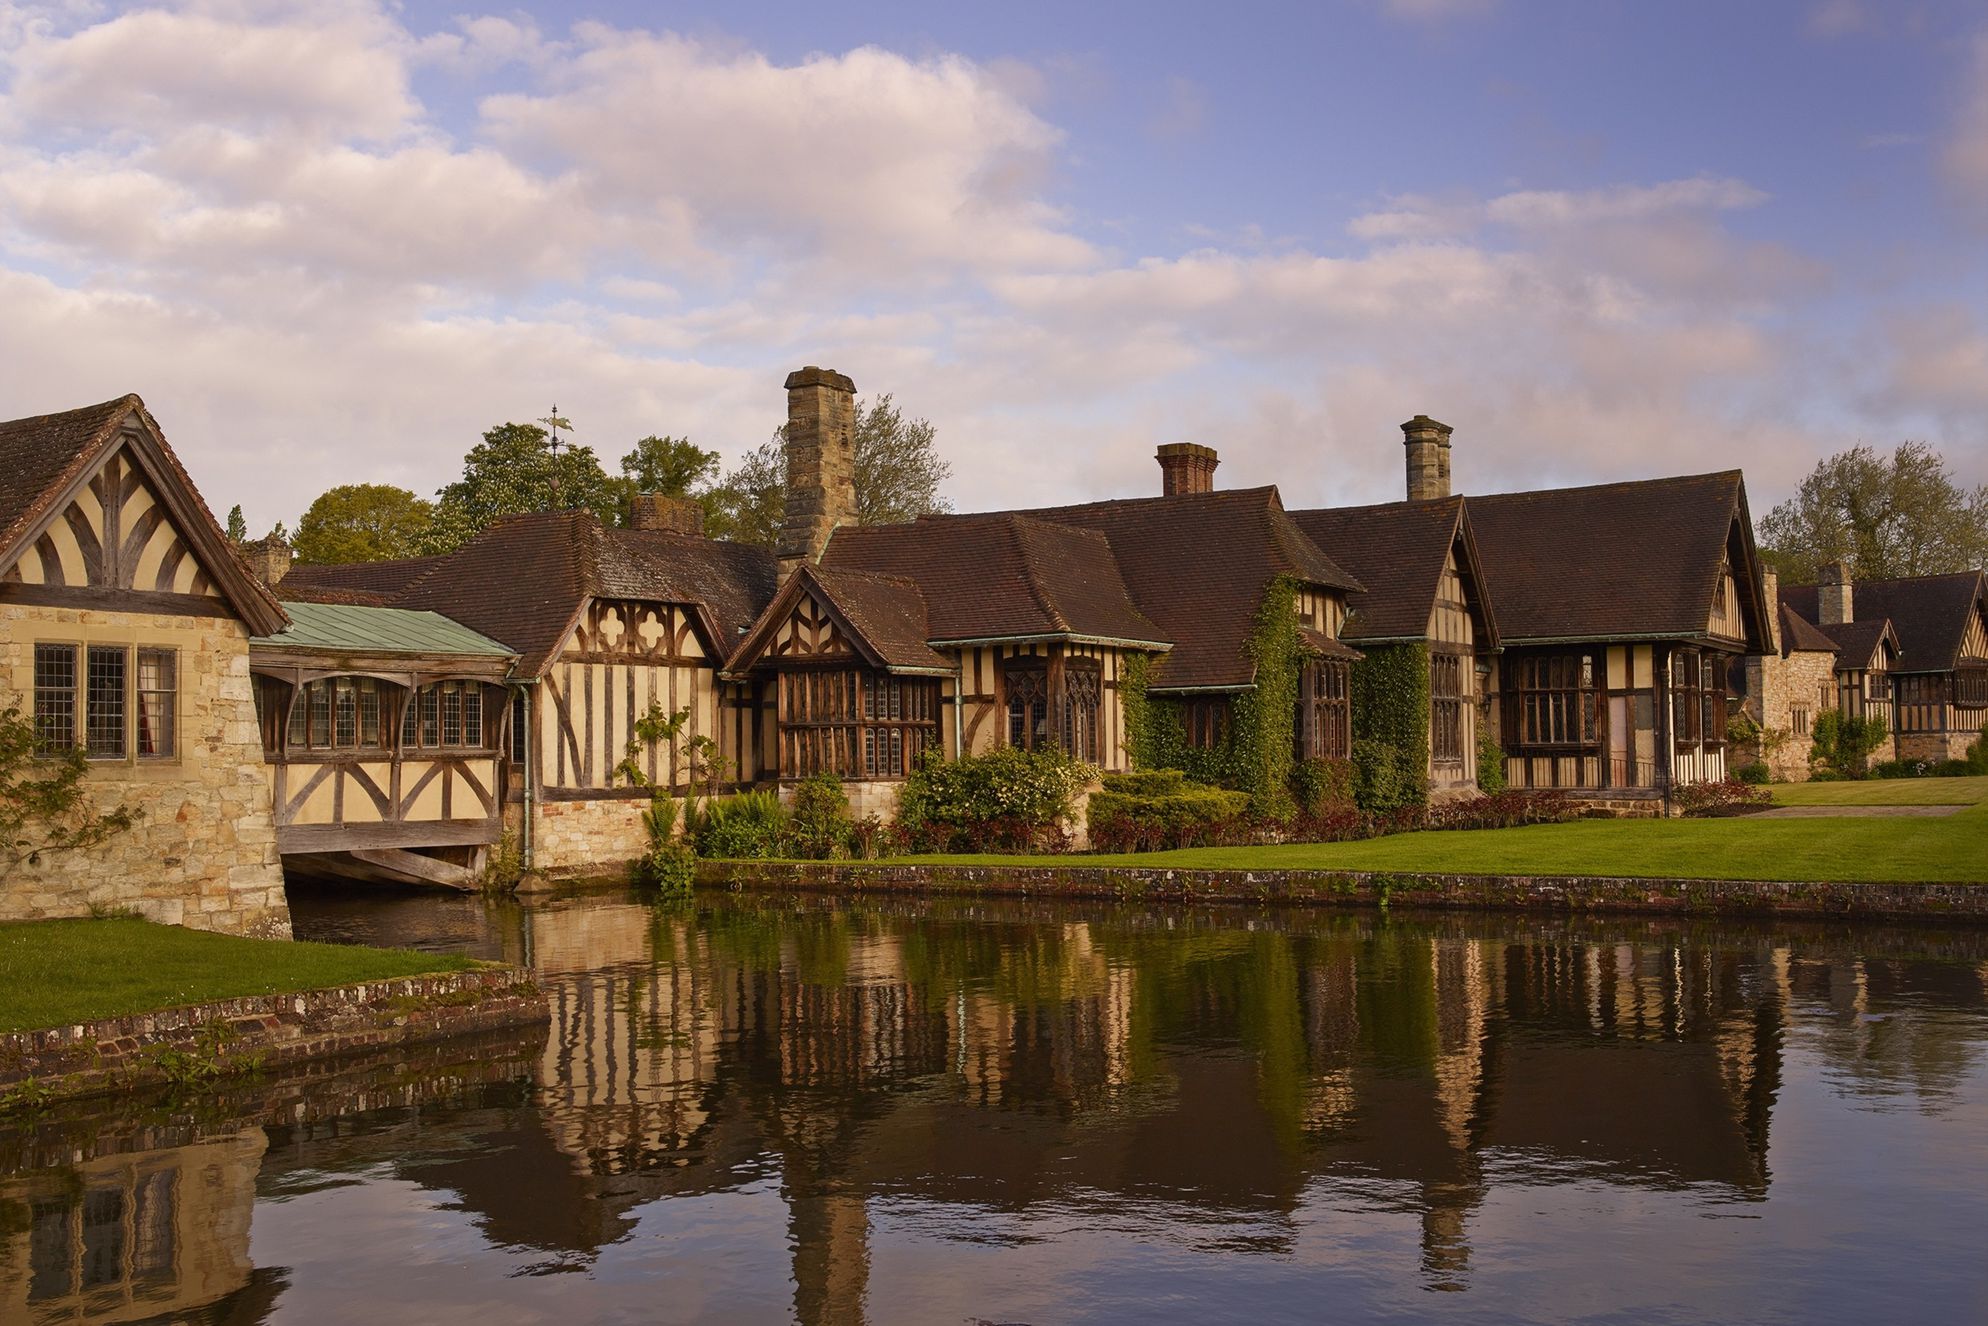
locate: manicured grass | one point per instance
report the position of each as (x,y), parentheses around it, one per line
(1949,849)
(53,973)
(1884,792)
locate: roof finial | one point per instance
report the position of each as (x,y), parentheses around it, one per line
(553,423)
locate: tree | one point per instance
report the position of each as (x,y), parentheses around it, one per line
(512,472)
(1897,515)
(237,525)
(364,522)
(672,466)
(898,472)
(42,803)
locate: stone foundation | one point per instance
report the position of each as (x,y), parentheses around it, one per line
(1935,746)
(203,854)
(576,839)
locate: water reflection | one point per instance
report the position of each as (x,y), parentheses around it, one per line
(786,1108)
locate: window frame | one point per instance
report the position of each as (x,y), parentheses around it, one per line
(1325,710)
(1447,707)
(863,724)
(1571,709)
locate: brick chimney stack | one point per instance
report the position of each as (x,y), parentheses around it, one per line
(676,515)
(1835,595)
(1186,467)
(268,559)
(1428,444)
(821,462)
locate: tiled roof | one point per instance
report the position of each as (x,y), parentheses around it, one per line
(522,581)
(1928,612)
(889,613)
(1398,550)
(1856,642)
(1798,636)
(354,582)
(43,455)
(1197,565)
(1618,560)
(1001,575)
(378,631)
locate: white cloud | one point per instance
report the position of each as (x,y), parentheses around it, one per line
(1427,11)
(1966,154)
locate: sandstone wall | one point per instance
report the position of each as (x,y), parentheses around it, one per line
(204,853)
(1776,686)
(579,838)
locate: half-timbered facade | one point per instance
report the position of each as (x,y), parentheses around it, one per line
(124,627)
(1620,607)
(1938,677)
(1424,590)
(384,731)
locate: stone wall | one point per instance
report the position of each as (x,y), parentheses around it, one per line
(1775,685)
(1935,746)
(204,852)
(576,839)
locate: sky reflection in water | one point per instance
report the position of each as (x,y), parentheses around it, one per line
(773,1109)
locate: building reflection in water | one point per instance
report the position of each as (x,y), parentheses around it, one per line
(998,1063)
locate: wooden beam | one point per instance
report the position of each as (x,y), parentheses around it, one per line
(415,868)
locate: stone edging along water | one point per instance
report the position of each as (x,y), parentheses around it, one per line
(202,1042)
(1962,903)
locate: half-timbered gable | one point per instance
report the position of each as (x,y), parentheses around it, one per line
(124,625)
(1423,588)
(1613,610)
(1939,679)
(384,730)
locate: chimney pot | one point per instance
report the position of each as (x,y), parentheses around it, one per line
(1186,467)
(821,462)
(1428,444)
(1835,595)
(677,515)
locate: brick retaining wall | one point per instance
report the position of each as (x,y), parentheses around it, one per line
(266,1031)
(1964,903)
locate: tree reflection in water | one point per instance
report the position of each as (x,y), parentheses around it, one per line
(909,1078)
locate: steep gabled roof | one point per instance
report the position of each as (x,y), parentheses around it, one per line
(1197,565)
(1798,636)
(1928,612)
(1856,642)
(884,617)
(523,580)
(361,583)
(44,458)
(1636,560)
(1002,575)
(1399,550)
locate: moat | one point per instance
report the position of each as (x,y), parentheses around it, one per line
(771,1108)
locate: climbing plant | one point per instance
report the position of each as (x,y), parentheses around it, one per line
(1391,726)
(652,728)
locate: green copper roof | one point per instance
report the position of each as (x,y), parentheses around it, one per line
(378,630)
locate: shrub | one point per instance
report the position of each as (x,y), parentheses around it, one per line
(1190,815)
(1952,769)
(669,866)
(1501,810)
(1386,777)
(1728,796)
(1844,745)
(818,823)
(1977,754)
(747,825)
(1321,785)
(1755,773)
(1490,763)
(1151,782)
(1005,800)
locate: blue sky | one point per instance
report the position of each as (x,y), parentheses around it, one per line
(332,242)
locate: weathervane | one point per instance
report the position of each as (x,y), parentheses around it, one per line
(553,423)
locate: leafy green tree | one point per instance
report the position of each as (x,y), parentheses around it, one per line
(672,466)
(364,522)
(1896,515)
(512,472)
(898,473)
(43,807)
(237,525)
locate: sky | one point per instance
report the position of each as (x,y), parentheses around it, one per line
(333,242)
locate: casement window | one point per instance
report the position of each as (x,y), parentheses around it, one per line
(112,700)
(1083,703)
(1446,707)
(1698,699)
(856,723)
(1026,683)
(1798,719)
(443,715)
(1325,713)
(1069,717)
(1206,719)
(341,713)
(1922,703)
(1970,688)
(519,712)
(1552,703)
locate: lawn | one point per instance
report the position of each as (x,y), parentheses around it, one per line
(1950,849)
(53,973)
(1885,792)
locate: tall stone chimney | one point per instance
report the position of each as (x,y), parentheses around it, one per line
(821,462)
(1770,589)
(676,515)
(1428,444)
(1186,467)
(268,559)
(1835,595)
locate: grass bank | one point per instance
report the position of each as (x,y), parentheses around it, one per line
(1948,850)
(1884,792)
(61,972)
